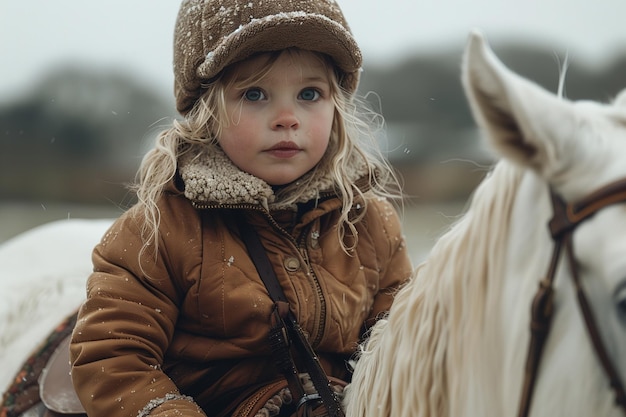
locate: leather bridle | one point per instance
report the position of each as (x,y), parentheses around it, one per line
(562,226)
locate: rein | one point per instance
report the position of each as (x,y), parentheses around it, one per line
(565,219)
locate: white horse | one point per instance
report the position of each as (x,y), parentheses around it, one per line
(454,343)
(43,274)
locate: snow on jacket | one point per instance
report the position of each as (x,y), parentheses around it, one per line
(183,332)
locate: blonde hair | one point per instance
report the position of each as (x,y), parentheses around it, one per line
(354,137)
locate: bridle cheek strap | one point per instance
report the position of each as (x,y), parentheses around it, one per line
(562,226)
(592,328)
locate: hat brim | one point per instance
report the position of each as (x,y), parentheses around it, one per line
(312,32)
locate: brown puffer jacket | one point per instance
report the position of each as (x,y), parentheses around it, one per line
(181,333)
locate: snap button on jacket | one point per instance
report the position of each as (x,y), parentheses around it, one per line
(292,264)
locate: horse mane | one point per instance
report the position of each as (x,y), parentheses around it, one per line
(414,353)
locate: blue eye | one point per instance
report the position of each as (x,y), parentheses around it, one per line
(309,94)
(254,94)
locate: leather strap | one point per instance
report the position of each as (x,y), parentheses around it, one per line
(594,334)
(566,218)
(268,276)
(280,342)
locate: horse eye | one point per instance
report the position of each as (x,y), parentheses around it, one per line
(620,302)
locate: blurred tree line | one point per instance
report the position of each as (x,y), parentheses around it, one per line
(80,134)
(433,140)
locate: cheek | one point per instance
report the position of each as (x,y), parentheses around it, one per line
(322,128)
(240,122)
(240,132)
(319,139)
(234,142)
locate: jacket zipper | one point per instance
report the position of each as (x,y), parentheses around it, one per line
(300,249)
(318,288)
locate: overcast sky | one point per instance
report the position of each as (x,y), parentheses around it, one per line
(137,34)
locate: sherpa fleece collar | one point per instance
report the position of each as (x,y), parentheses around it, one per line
(211,178)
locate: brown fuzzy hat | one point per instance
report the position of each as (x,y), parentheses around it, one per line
(211,34)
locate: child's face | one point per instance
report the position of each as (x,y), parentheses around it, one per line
(279,128)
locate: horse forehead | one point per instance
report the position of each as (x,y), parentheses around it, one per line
(613,114)
(597,145)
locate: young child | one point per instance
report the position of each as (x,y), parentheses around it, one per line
(176,320)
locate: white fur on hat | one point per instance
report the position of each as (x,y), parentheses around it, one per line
(212,34)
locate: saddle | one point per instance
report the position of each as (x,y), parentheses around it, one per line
(55,383)
(43,387)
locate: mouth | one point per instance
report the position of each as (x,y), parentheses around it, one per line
(284,149)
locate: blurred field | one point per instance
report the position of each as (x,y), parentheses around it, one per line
(423,223)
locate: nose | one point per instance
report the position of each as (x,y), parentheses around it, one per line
(285,118)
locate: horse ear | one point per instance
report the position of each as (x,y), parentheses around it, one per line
(522,121)
(620,100)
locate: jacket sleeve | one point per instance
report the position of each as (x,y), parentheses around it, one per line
(396,266)
(126,324)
